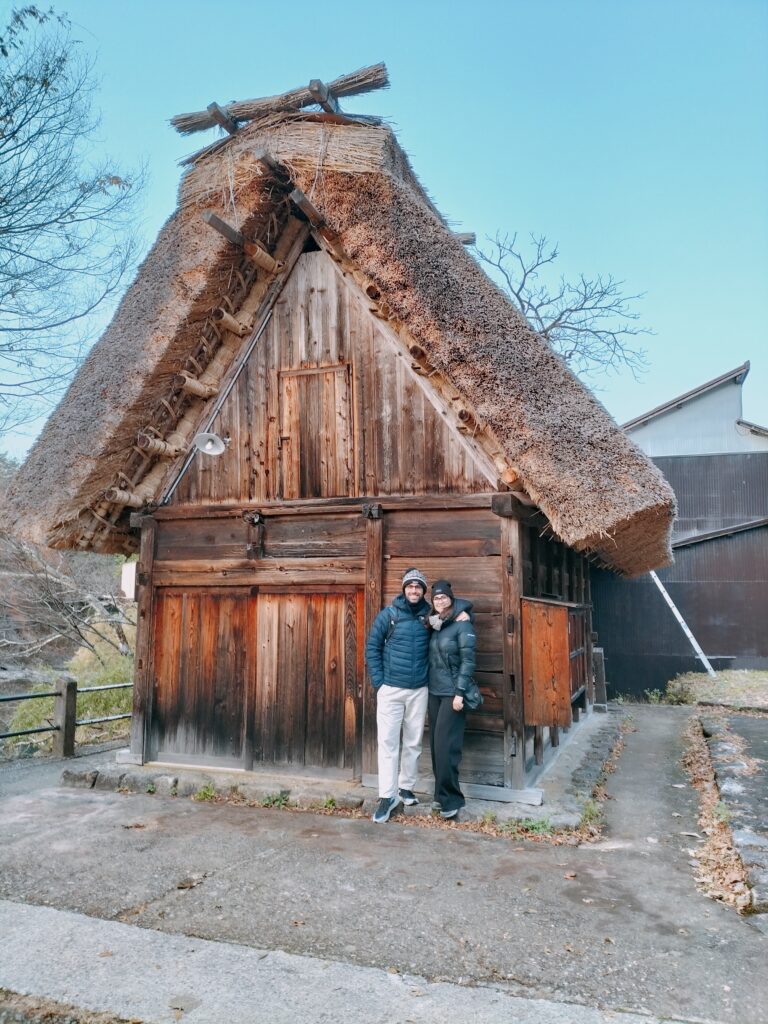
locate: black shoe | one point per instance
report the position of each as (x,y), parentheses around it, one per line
(385,807)
(449,814)
(408,798)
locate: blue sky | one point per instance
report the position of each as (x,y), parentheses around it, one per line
(632,133)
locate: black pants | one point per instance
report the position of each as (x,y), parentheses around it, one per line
(446,739)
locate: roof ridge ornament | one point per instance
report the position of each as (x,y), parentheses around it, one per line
(327,95)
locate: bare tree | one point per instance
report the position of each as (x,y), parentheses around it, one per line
(589,322)
(43,604)
(66,241)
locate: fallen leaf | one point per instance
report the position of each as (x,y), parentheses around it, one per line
(691,835)
(570,875)
(609,940)
(106,952)
(297,923)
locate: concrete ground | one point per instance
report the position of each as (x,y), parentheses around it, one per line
(160,909)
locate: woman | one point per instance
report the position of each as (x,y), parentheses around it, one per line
(451,664)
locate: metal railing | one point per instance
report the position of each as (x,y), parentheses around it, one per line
(65,719)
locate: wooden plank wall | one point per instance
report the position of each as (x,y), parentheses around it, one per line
(383,424)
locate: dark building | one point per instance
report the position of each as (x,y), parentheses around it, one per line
(717,464)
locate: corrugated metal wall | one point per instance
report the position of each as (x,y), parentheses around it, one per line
(720,586)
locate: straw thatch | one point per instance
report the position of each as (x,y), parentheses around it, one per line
(600,493)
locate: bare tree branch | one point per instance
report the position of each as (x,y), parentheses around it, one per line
(590,323)
(66,223)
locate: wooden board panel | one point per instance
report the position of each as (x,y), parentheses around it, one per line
(442,533)
(203,660)
(307,684)
(546,664)
(178,540)
(339,536)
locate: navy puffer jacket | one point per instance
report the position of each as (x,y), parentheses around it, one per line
(452,654)
(399,655)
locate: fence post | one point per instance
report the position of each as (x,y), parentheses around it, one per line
(65,714)
(598,662)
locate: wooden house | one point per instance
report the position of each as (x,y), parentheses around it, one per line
(382,405)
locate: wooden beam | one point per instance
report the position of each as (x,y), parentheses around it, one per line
(512,652)
(142,670)
(231,234)
(374,599)
(222,118)
(311,212)
(191,386)
(507,505)
(119,496)
(321,94)
(257,254)
(229,323)
(155,446)
(263,156)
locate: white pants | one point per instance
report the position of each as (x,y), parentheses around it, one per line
(398,708)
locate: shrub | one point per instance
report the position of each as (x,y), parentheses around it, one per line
(206,792)
(680,691)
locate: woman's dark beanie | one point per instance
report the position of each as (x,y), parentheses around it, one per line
(442,587)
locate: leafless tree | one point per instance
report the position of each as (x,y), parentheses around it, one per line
(66,237)
(589,322)
(50,600)
(43,604)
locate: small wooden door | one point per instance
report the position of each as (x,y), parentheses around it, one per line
(316,434)
(546,663)
(307,703)
(203,661)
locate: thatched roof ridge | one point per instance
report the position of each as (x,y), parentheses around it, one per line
(598,490)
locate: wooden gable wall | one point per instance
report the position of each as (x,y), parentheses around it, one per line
(326,407)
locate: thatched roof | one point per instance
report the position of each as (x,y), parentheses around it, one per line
(599,492)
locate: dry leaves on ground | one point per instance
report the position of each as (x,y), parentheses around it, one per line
(721,874)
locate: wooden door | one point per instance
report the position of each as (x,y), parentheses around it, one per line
(316,435)
(546,663)
(202,667)
(308,683)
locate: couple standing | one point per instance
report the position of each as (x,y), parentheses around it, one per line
(420,658)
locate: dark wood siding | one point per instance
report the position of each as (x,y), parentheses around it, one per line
(327,405)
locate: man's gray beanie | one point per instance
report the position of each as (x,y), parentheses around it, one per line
(415,576)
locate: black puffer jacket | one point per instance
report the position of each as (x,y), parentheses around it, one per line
(452,654)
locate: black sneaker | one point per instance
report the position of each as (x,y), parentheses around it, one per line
(409,798)
(385,807)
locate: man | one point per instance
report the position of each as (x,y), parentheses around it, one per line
(397,655)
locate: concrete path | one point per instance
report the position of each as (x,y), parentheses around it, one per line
(616,926)
(142,974)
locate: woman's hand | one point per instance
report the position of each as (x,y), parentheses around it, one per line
(462,617)
(458,703)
